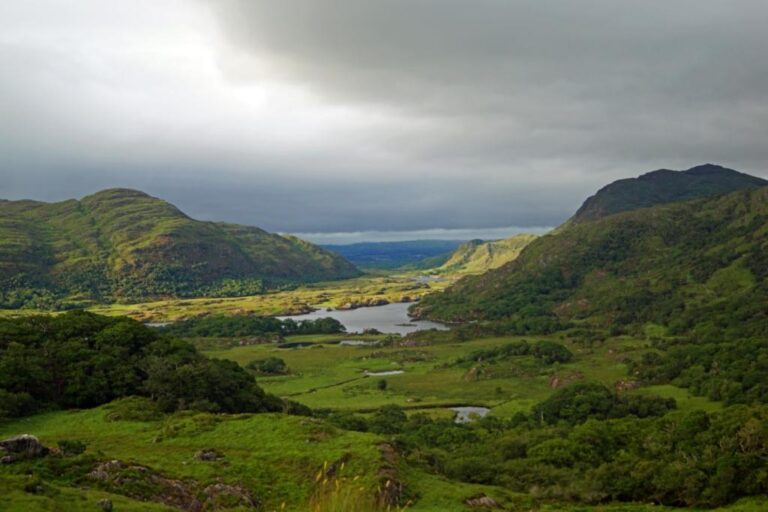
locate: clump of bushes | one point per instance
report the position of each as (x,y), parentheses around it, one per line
(548,352)
(268,366)
(79,359)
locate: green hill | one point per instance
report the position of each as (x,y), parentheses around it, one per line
(664,186)
(126,244)
(696,266)
(478,256)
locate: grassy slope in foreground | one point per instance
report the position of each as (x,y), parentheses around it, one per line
(672,265)
(275,456)
(124,243)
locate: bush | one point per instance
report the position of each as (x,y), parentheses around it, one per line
(268,366)
(550,352)
(389,419)
(577,403)
(80,359)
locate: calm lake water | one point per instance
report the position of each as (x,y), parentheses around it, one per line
(391,318)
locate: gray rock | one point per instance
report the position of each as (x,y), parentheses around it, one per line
(24,446)
(105,505)
(482,501)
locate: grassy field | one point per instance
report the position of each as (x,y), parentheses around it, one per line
(326,375)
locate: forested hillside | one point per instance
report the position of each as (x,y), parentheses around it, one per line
(697,266)
(124,244)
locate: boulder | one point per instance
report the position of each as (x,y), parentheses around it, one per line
(24,446)
(482,501)
(105,505)
(219,495)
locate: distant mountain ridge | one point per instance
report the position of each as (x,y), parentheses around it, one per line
(477,256)
(391,255)
(664,186)
(122,243)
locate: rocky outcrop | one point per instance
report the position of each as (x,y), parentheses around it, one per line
(25,446)
(482,501)
(561,380)
(142,483)
(105,505)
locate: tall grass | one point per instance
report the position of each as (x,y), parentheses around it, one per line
(340,493)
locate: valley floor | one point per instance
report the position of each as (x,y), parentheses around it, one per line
(284,460)
(278,457)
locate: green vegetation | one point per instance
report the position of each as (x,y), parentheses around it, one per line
(249,325)
(692,459)
(274,457)
(622,362)
(84,360)
(269,366)
(477,256)
(582,401)
(692,268)
(332,294)
(124,244)
(730,371)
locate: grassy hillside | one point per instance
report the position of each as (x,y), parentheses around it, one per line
(664,186)
(477,256)
(126,244)
(693,266)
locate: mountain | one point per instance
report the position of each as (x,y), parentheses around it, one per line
(695,266)
(391,255)
(125,244)
(664,186)
(477,256)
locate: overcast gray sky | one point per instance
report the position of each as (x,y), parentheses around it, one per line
(368,116)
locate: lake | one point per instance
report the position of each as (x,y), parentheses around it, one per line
(390,318)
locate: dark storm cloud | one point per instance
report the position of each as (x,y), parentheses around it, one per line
(345,115)
(618,83)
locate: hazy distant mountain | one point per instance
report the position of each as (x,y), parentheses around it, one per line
(126,244)
(664,186)
(390,255)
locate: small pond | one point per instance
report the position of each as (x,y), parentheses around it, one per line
(468,414)
(383,373)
